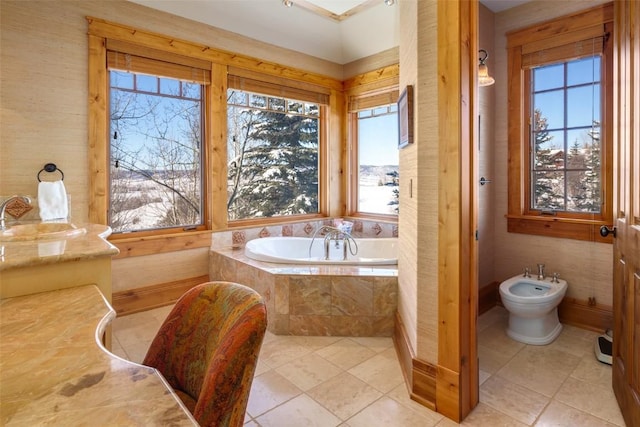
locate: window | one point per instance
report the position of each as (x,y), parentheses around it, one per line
(155,152)
(374,157)
(560,139)
(273,156)
(378,164)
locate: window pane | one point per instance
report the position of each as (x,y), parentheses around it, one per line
(548,77)
(155,169)
(191,90)
(146,83)
(277,104)
(236,97)
(272,161)
(257,101)
(583,71)
(583,191)
(548,190)
(378,162)
(584,104)
(551,107)
(296,107)
(170,87)
(121,79)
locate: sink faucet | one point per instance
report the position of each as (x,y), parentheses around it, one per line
(540,271)
(336,235)
(3,208)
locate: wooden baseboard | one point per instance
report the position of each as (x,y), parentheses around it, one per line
(488,297)
(149,297)
(420,376)
(579,313)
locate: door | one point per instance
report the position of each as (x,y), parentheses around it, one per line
(626,247)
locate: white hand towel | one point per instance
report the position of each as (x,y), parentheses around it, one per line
(52,200)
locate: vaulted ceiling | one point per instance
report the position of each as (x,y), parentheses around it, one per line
(340,31)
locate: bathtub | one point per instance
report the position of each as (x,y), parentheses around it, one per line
(295,250)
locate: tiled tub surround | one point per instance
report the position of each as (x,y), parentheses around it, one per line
(325,300)
(315,300)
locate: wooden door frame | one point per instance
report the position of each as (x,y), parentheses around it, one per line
(457,369)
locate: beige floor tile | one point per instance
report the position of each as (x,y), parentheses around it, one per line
(268,391)
(513,400)
(482,376)
(130,330)
(251,423)
(382,371)
(309,371)
(344,395)
(283,350)
(377,344)
(495,315)
(346,353)
(540,368)
(388,412)
(486,416)
(496,338)
(491,360)
(558,414)
(401,395)
(592,371)
(573,342)
(593,399)
(301,411)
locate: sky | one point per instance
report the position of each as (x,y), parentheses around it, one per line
(378,140)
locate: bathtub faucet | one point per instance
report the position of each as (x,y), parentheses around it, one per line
(335,234)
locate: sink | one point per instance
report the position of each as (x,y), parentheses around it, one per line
(40,231)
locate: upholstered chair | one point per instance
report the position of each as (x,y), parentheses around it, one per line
(207,349)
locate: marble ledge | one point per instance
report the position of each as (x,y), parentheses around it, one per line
(238,254)
(54,371)
(89,245)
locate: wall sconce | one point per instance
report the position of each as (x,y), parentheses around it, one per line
(484,79)
(389,2)
(287,3)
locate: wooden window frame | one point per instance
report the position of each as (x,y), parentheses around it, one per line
(556,36)
(365,91)
(103,35)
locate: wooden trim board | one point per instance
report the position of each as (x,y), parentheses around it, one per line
(488,297)
(154,296)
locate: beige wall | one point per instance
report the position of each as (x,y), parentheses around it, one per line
(418,218)
(586,266)
(486,142)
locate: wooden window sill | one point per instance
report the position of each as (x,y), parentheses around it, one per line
(564,228)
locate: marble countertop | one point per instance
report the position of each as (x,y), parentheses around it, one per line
(91,244)
(54,371)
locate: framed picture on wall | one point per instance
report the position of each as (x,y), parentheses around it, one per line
(405,117)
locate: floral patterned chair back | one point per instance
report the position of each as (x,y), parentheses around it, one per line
(207,349)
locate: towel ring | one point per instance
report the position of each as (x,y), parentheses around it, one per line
(50,167)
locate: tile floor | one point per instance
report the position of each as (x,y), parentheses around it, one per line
(354,382)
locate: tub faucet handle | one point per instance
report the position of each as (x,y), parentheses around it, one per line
(540,271)
(555,278)
(527,272)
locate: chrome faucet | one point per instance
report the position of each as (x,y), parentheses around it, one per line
(540,271)
(555,278)
(3,208)
(335,234)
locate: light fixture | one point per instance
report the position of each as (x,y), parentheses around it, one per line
(484,79)
(287,3)
(389,2)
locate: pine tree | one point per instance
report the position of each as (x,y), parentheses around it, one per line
(545,177)
(277,172)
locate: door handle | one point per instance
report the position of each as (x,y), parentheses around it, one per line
(604,231)
(484,181)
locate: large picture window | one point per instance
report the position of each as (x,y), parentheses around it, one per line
(273,156)
(156,133)
(560,126)
(155,152)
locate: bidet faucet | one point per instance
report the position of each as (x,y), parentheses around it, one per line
(555,278)
(540,271)
(3,208)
